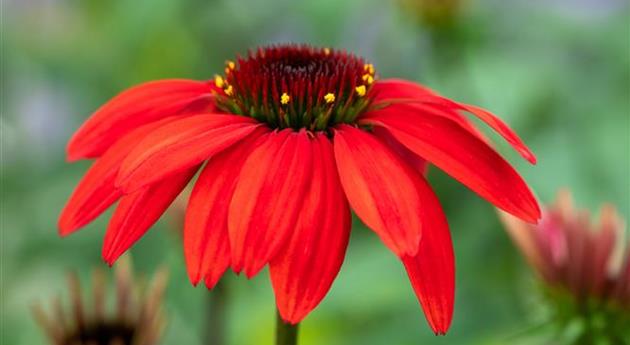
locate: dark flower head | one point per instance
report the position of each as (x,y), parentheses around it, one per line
(137,320)
(297,87)
(292,137)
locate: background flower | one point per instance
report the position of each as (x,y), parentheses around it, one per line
(88,316)
(585,268)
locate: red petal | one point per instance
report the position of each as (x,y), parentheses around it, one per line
(389,89)
(432,270)
(380,188)
(137,106)
(268,198)
(392,89)
(96,191)
(398,91)
(138,211)
(463,156)
(180,145)
(491,120)
(206,242)
(303,272)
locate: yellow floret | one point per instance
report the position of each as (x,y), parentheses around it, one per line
(218,81)
(285,98)
(368,67)
(361,90)
(368,78)
(329,97)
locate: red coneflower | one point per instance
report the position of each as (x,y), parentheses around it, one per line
(292,137)
(569,251)
(585,268)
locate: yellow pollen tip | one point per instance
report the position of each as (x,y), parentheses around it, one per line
(231,64)
(218,81)
(326,51)
(369,68)
(285,98)
(329,97)
(229,91)
(368,78)
(361,90)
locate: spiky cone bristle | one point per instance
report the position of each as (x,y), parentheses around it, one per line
(137,318)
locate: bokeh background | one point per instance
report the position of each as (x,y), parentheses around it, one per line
(557,71)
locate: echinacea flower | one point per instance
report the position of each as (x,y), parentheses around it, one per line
(584,267)
(569,251)
(292,137)
(137,319)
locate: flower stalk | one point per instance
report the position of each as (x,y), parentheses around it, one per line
(286,333)
(216,318)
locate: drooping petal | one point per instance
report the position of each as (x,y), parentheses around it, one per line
(303,272)
(392,89)
(138,211)
(380,187)
(465,157)
(398,91)
(609,231)
(268,198)
(180,145)
(491,120)
(135,107)
(206,242)
(96,191)
(432,270)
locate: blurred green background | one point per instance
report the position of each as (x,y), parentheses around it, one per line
(557,71)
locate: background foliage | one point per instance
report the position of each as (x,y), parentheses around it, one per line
(556,70)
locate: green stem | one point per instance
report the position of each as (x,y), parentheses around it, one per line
(214,332)
(286,333)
